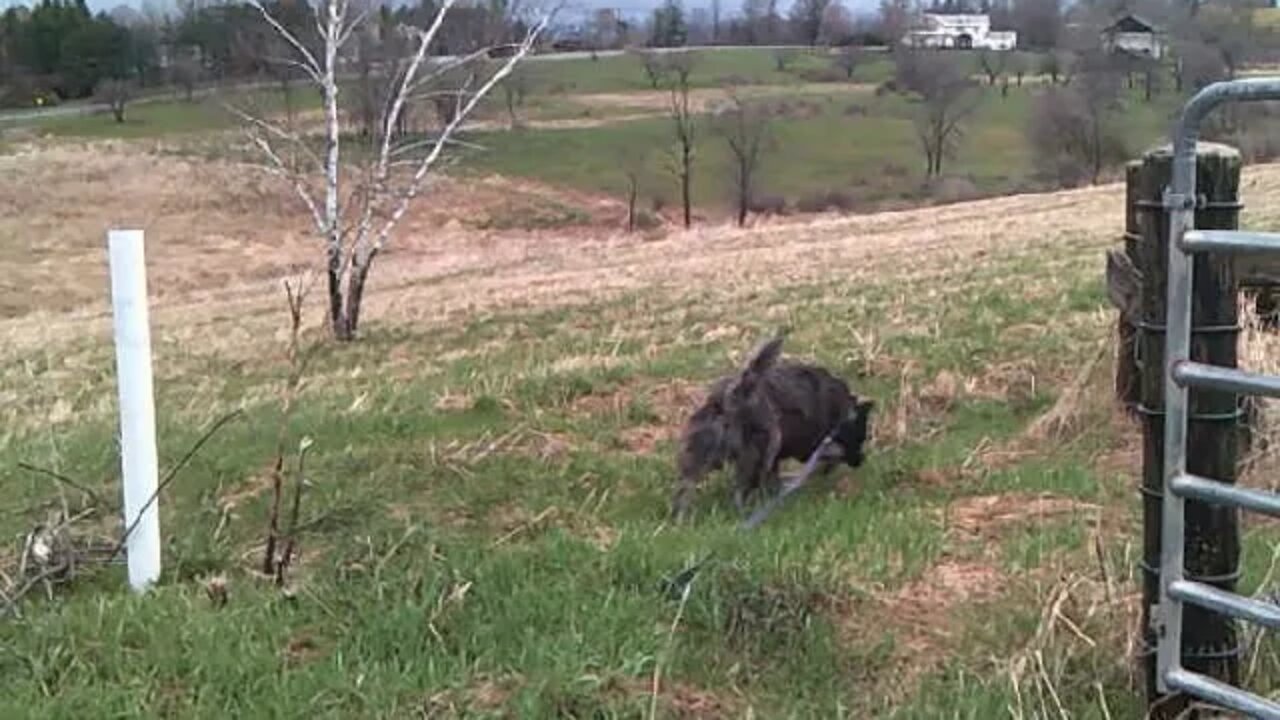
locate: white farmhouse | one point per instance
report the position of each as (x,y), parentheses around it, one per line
(1131,34)
(962,32)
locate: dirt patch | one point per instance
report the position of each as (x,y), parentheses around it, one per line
(986,516)
(484,694)
(301,649)
(679,699)
(668,407)
(644,439)
(612,402)
(246,491)
(512,523)
(950,583)
(921,616)
(703,99)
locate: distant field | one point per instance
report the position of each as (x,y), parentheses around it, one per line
(856,144)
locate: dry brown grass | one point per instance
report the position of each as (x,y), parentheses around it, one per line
(218,242)
(1259,351)
(704,98)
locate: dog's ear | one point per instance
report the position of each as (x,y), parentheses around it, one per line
(764,356)
(864,407)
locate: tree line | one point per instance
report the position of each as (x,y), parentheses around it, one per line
(59,50)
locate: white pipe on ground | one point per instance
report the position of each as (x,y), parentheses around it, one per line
(138,458)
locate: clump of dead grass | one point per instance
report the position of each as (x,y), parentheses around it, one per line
(1068,414)
(987,516)
(1258,350)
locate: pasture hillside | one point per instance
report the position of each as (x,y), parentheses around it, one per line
(485,530)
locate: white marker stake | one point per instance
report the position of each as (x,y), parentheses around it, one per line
(138,460)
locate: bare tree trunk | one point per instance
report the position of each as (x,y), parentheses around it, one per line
(337,322)
(332,210)
(355,291)
(685,182)
(633,190)
(744,199)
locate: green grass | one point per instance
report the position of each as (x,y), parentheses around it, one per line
(169,117)
(860,146)
(437,574)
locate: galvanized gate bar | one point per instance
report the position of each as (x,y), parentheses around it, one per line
(1194,487)
(1212,377)
(1180,374)
(1222,694)
(1232,242)
(1227,603)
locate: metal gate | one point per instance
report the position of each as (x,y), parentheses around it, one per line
(1182,375)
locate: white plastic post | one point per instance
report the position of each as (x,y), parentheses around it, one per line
(138,459)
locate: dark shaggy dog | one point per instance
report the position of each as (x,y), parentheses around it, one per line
(766,413)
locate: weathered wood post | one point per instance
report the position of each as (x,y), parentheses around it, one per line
(1210,644)
(1124,283)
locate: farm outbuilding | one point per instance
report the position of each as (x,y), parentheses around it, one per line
(960,32)
(1131,34)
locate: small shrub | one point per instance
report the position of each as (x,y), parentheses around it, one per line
(821,75)
(855,110)
(768,205)
(827,200)
(894,170)
(954,189)
(646,220)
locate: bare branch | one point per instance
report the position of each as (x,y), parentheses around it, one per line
(311,66)
(445,135)
(169,477)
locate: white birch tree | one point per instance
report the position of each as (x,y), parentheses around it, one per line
(357,191)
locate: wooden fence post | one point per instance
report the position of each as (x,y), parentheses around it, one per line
(1210,643)
(1124,285)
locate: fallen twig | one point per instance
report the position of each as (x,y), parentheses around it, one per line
(97,500)
(169,477)
(286,557)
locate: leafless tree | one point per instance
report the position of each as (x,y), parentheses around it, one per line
(1228,28)
(1039,23)
(847,59)
(837,24)
(115,93)
(633,170)
(683,125)
(185,73)
(744,126)
(783,57)
(356,202)
(947,97)
(1017,66)
(655,67)
(1074,132)
(895,18)
(515,88)
(992,64)
(1196,65)
(806,17)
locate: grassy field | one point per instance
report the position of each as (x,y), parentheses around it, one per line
(831,139)
(835,142)
(485,533)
